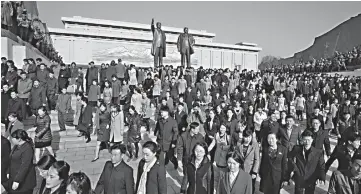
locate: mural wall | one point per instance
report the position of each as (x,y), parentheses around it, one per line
(82,50)
(137,53)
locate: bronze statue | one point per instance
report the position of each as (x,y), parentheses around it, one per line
(159,44)
(185,47)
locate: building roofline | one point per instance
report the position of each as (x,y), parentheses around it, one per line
(78,19)
(67,32)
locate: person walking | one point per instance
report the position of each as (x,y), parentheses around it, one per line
(21,174)
(43,136)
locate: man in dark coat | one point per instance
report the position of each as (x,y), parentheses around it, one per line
(267,126)
(85,119)
(11,76)
(64,75)
(91,74)
(308,165)
(185,47)
(166,131)
(117,176)
(320,137)
(345,153)
(186,143)
(51,90)
(4,67)
(63,106)
(181,118)
(42,74)
(5,158)
(159,44)
(289,95)
(37,97)
(346,181)
(16,105)
(5,97)
(120,70)
(32,69)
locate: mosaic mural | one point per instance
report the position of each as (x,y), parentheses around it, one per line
(138,54)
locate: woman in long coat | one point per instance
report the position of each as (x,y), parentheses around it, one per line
(74,74)
(182,85)
(199,172)
(273,166)
(103,125)
(151,178)
(116,124)
(239,183)
(78,108)
(134,136)
(107,92)
(22,176)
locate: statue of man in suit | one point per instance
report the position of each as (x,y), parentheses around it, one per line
(185,47)
(159,44)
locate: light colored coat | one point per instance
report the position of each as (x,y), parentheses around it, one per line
(24,87)
(117,127)
(136,101)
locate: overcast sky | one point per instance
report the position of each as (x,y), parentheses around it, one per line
(280,28)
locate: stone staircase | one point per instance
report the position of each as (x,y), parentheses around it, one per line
(73,149)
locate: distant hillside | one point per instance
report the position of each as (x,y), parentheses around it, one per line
(341,38)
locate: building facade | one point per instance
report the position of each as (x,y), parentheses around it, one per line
(85,39)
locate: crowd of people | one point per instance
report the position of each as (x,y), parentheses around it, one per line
(27,26)
(338,62)
(221,128)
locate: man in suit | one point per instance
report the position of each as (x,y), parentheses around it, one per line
(181,118)
(63,106)
(308,165)
(290,135)
(159,44)
(117,176)
(185,47)
(85,119)
(250,154)
(344,153)
(346,181)
(166,131)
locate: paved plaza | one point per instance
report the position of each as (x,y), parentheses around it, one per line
(78,154)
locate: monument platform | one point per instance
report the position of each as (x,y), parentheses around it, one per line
(86,39)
